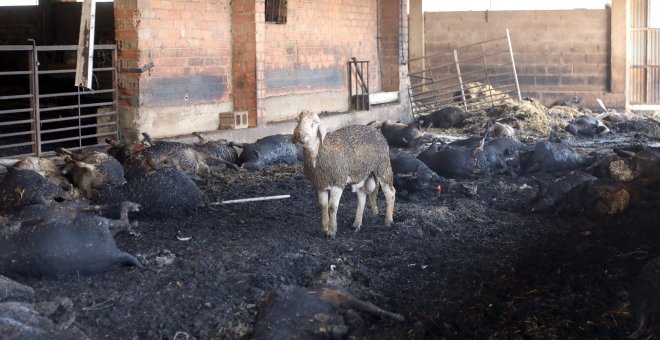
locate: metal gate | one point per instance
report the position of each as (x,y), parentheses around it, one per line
(41,109)
(358,84)
(644,79)
(475,76)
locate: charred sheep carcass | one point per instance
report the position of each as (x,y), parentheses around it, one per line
(547,156)
(645,300)
(550,193)
(588,126)
(122,151)
(503,155)
(601,197)
(640,164)
(476,156)
(446,117)
(400,135)
(54,241)
(412,176)
(20,188)
(92,171)
(502,130)
(303,313)
(44,320)
(44,167)
(163,193)
(133,160)
(182,156)
(219,148)
(275,149)
(456,162)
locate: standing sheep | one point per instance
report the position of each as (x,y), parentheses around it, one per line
(356,155)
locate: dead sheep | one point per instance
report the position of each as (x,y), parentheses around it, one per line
(357,155)
(43,166)
(184,157)
(91,171)
(502,130)
(20,188)
(62,240)
(219,148)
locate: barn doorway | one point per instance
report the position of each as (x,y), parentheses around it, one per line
(644,47)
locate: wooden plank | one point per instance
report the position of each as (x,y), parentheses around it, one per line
(85,51)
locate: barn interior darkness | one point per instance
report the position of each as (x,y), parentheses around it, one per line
(51,23)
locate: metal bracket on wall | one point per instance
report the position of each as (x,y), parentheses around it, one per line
(144,68)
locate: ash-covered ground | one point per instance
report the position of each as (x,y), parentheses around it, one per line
(462,264)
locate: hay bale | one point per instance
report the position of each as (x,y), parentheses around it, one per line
(529,116)
(482,96)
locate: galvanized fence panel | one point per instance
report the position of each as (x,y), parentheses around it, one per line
(41,109)
(474,76)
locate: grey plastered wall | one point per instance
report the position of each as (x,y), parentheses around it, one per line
(558,54)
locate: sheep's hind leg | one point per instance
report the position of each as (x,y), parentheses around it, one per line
(323,204)
(333,205)
(390,192)
(372,198)
(362,199)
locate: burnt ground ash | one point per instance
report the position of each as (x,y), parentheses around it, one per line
(455,265)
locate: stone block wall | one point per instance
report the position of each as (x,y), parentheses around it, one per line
(558,54)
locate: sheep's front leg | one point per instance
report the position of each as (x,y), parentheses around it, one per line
(333,205)
(362,199)
(323,204)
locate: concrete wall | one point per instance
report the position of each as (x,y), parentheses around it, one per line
(558,54)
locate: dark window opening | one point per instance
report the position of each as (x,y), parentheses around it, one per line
(19,3)
(276,11)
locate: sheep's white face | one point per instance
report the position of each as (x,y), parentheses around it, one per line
(308,129)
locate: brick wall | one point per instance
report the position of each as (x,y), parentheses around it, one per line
(558,54)
(189,43)
(308,54)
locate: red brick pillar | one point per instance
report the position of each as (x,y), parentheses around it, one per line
(127,20)
(248,33)
(390,19)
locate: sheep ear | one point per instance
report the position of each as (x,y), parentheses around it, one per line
(321,132)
